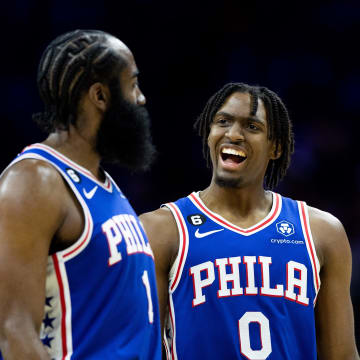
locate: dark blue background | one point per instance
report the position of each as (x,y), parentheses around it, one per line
(305,51)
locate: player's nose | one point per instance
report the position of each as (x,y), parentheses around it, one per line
(235,132)
(140,98)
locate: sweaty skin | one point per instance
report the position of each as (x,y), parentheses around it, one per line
(39,215)
(249,203)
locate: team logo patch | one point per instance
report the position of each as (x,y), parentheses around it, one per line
(196,219)
(74,175)
(285,228)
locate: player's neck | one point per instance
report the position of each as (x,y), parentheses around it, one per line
(77,148)
(237,203)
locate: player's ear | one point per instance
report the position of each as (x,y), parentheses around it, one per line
(99,95)
(275,153)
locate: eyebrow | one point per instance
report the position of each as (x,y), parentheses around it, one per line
(230,116)
(256,119)
(223,113)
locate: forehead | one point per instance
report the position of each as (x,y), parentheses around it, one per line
(238,105)
(124,52)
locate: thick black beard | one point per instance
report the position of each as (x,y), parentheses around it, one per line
(227,183)
(124,136)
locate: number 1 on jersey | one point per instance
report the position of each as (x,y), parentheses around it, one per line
(145,279)
(244,334)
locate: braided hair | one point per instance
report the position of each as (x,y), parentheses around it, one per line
(279,125)
(69,66)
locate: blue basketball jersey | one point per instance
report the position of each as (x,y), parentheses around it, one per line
(101,299)
(242,293)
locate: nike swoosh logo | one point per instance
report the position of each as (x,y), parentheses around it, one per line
(201,235)
(89,195)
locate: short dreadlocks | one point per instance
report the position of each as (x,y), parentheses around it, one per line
(69,66)
(279,124)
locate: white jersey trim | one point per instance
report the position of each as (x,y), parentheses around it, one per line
(65,328)
(268,220)
(80,244)
(67,299)
(52,332)
(310,246)
(113,182)
(171,348)
(107,185)
(177,267)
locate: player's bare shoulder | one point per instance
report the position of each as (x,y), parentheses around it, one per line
(160,226)
(328,233)
(161,229)
(31,184)
(32,174)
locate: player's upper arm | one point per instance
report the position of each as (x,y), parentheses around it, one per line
(334,313)
(161,229)
(31,211)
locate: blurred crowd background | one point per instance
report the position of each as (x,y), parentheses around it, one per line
(306,51)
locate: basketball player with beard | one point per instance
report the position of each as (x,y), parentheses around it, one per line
(243,272)
(75,264)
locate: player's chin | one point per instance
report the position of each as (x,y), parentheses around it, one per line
(227,181)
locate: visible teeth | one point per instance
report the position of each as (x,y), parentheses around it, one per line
(233,152)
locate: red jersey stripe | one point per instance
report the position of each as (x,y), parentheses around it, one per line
(106,185)
(63,305)
(182,237)
(173,328)
(273,214)
(65,255)
(307,237)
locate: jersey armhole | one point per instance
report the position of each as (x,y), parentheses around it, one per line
(72,250)
(310,246)
(178,265)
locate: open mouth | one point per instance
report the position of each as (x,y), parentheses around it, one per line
(232,156)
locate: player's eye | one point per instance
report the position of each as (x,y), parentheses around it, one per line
(252,126)
(221,121)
